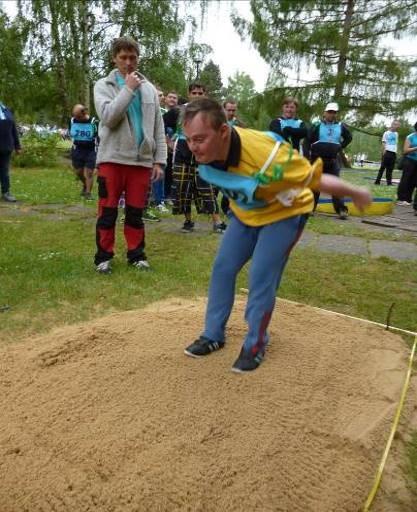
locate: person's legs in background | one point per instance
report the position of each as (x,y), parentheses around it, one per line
(111,184)
(137,185)
(5,177)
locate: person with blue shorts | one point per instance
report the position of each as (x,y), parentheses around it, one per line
(83,132)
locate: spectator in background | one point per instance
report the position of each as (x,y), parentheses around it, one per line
(158,187)
(327,139)
(292,129)
(132,152)
(389,152)
(408,181)
(83,131)
(9,142)
(171,102)
(230,107)
(188,187)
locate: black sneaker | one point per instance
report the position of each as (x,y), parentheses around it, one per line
(203,347)
(219,228)
(343,214)
(247,362)
(188,226)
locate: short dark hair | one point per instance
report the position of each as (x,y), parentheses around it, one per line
(196,85)
(229,100)
(208,108)
(415,127)
(290,99)
(124,43)
(173,92)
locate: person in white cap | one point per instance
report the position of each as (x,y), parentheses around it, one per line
(327,138)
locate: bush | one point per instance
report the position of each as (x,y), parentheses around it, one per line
(39,150)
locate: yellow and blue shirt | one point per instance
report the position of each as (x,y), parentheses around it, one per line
(262,193)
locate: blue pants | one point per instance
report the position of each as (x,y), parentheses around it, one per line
(269,247)
(158,191)
(4,172)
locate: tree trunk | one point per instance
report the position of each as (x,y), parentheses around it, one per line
(58,62)
(85,53)
(344,46)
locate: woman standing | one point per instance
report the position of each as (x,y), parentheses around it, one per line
(408,180)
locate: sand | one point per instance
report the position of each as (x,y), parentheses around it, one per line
(110,415)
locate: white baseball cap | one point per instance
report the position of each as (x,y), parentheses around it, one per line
(332,106)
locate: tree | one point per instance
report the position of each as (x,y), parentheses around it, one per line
(211,77)
(12,70)
(241,88)
(70,39)
(341,44)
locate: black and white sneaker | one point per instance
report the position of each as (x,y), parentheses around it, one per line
(343,214)
(219,228)
(203,347)
(104,267)
(141,265)
(247,361)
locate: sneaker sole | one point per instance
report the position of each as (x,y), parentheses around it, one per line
(236,370)
(194,356)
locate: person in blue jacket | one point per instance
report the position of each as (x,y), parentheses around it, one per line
(83,132)
(327,139)
(9,142)
(291,129)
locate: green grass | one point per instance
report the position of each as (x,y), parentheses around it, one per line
(412,456)
(47,275)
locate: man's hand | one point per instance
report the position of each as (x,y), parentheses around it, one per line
(157,172)
(361,198)
(133,81)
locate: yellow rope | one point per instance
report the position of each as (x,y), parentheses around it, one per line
(392,433)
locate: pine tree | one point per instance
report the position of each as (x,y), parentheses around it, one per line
(336,49)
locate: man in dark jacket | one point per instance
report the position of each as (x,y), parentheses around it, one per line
(327,139)
(292,129)
(9,142)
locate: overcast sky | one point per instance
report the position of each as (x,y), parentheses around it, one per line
(229,51)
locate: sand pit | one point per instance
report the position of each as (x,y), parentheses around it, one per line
(111,416)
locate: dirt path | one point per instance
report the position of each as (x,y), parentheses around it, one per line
(111,416)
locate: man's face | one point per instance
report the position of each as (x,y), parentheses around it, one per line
(196,93)
(206,143)
(126,61)
(289,110)
(80,113)
(231,109)
(161,97)
(330,116)
(395,126)
(171,100)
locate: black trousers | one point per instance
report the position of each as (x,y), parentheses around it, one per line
(4,172)
(408,182)
(331,166)
(387,164)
